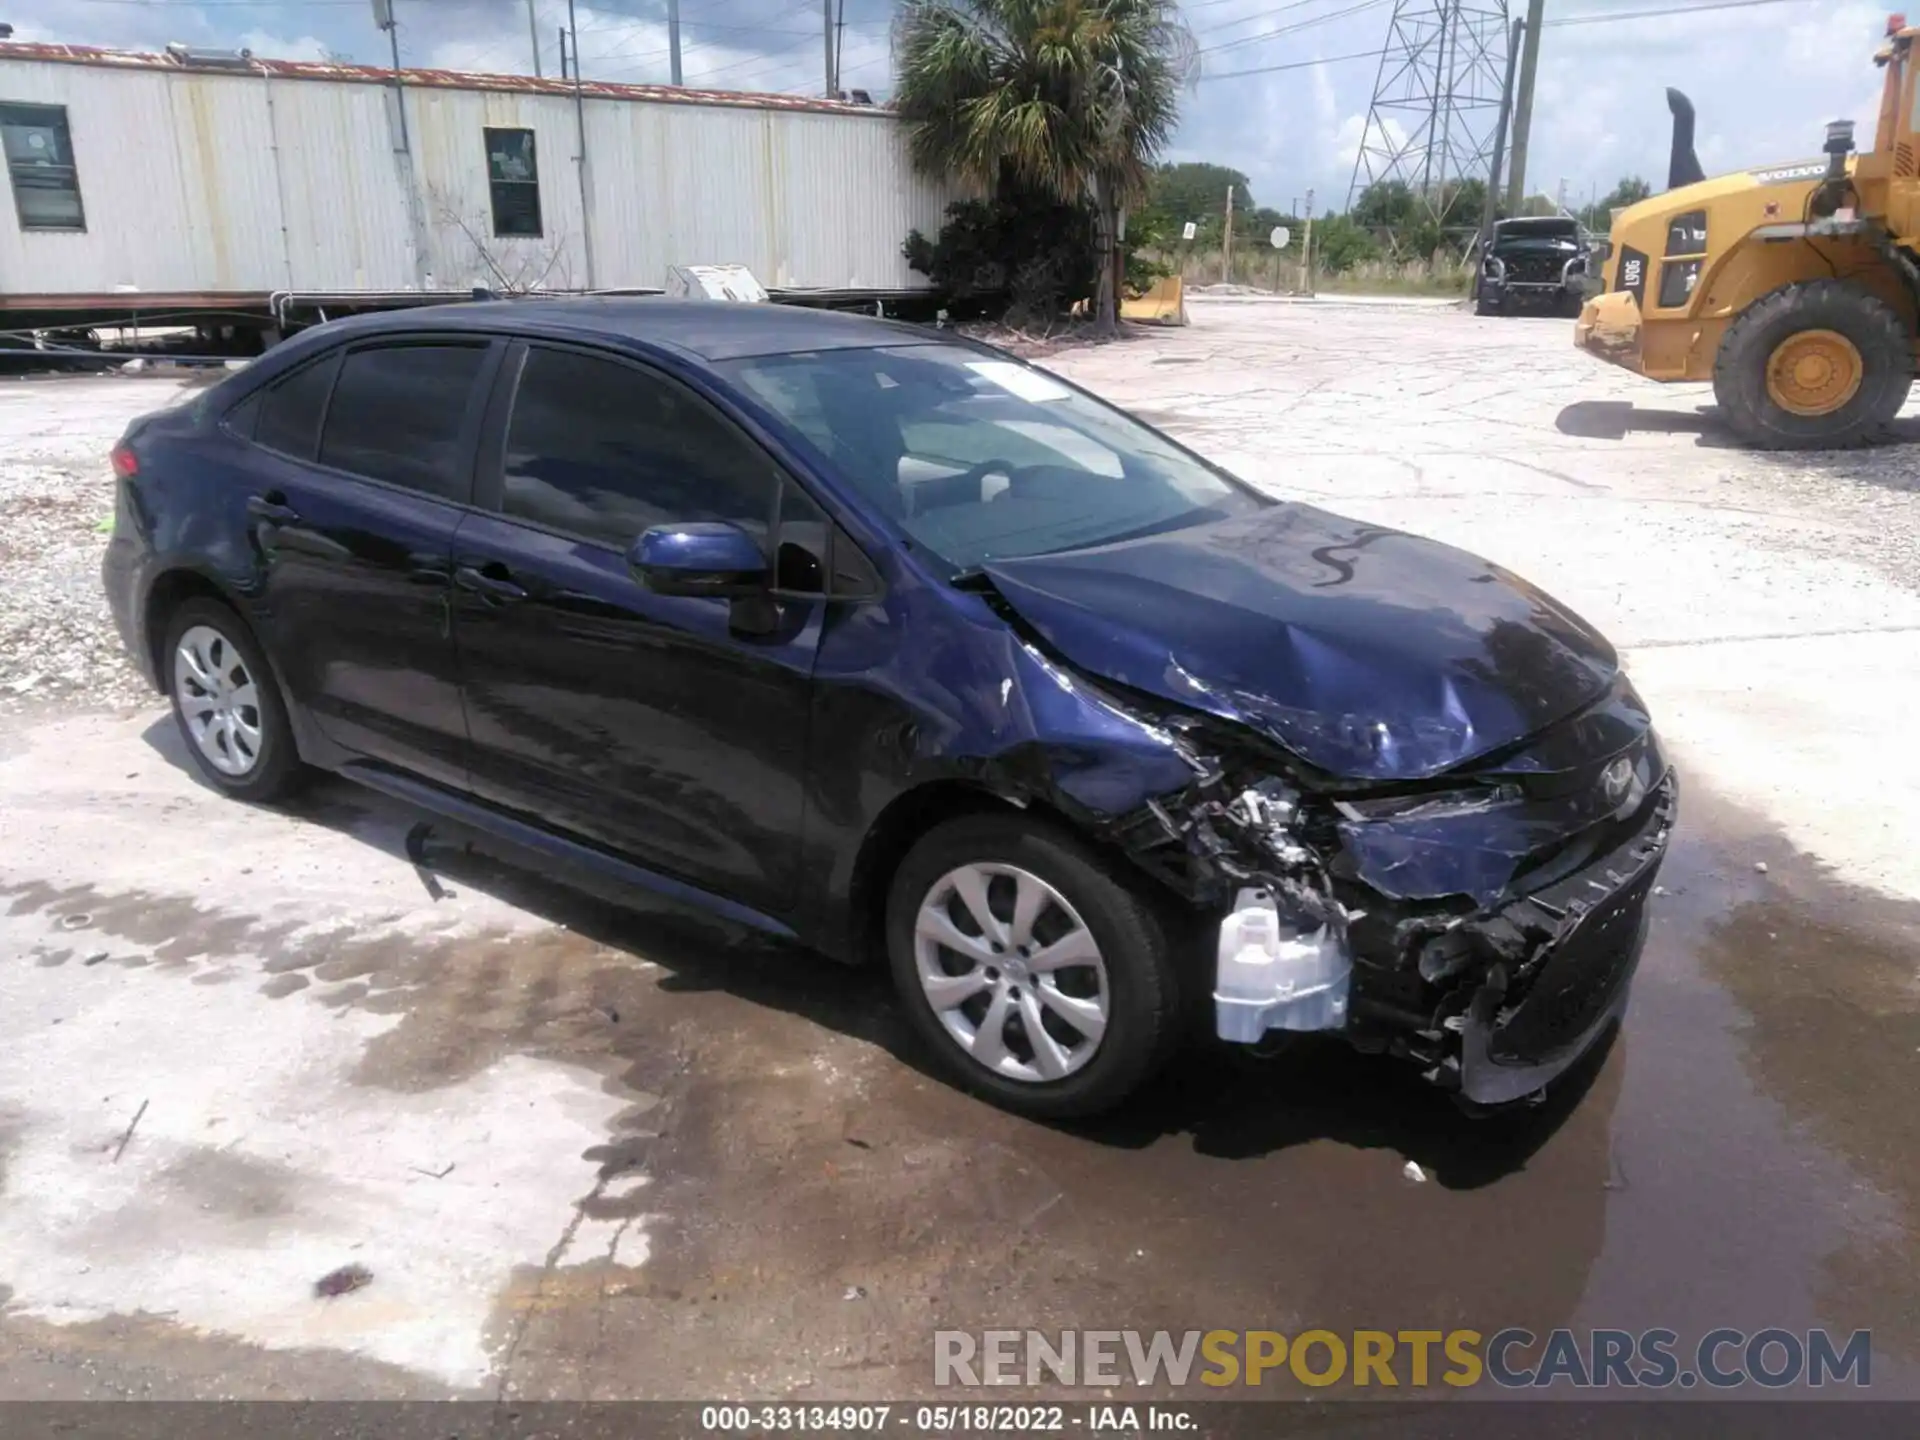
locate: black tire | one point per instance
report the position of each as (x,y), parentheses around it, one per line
(1137,938)
(1572,302)
(276,769)
(1877,330)
(1484,306)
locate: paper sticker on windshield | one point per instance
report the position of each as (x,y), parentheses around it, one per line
(1020,381)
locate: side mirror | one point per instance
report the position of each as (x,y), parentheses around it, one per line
(702,557)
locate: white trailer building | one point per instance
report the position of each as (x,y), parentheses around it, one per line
(197,181)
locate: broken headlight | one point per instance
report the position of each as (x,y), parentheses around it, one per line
(1430,805)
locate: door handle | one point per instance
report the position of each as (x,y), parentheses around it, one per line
(496,588)
(273,509)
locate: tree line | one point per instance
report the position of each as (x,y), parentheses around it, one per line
(1056,113)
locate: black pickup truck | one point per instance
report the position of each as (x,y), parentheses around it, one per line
(1534,263)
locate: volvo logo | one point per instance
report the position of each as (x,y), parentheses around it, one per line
(1616,780)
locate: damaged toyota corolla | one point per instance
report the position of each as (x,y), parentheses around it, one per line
(910,651)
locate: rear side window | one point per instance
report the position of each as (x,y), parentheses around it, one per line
(398,413)
(290,413)
(603,450)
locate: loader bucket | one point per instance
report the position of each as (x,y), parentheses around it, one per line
(1163,303)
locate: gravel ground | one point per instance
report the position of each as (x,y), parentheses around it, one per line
(57,641)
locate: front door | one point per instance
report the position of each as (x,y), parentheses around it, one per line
(363,464)
(670,728)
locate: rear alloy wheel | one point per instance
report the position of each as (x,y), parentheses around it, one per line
(1823,365)
(227,704)
(1036,971)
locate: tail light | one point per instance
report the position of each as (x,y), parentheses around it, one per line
(126,464)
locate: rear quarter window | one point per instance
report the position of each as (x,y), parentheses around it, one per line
(243,418)
(291,407)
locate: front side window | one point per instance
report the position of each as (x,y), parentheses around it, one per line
(602,450)
(513,176)
(46,186)
(978,458)
(397,415)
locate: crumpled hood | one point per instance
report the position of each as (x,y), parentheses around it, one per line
(1536,245)
(1367,652)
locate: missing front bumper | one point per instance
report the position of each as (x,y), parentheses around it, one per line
(1566,955)
(1528,1023)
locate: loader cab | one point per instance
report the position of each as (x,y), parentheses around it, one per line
(1888,176)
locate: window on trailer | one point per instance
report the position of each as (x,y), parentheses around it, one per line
(46,187)
(514,177)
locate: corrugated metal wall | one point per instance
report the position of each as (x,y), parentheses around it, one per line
(196,182)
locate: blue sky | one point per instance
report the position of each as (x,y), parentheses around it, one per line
(1765,78)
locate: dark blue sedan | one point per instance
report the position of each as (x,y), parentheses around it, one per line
(895,645)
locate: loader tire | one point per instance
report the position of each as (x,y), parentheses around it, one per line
(1821,365)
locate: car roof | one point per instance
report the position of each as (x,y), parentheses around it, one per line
(706,329)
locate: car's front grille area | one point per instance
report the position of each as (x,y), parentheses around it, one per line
(1534,269)
(1580,977)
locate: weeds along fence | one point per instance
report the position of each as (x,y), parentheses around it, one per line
(1259,267)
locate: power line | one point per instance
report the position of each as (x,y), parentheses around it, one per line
(1603,19)
(221,4)
(749,29)
(756,60)
(1297,25)
(1294,65)
(1250,19)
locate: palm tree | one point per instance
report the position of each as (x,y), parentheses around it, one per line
(1071,97)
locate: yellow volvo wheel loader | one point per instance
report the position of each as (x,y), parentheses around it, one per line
(1795,289)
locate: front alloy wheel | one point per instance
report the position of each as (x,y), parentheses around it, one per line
(1011,971)
(1036,969)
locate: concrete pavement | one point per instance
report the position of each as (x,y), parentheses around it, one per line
(589,1152)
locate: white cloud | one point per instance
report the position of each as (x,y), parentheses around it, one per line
(1764,82)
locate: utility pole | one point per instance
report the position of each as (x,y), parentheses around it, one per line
(383,17)
(1226,243)
(1306,250)
(563,52)
(1523,107)
(673,38)
(826,31)
(1488,210)
(839,44)
(580,123)
(533,35)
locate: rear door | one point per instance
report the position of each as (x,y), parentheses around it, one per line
(365,469)
(670,728)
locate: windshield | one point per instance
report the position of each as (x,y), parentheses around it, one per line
(978,458)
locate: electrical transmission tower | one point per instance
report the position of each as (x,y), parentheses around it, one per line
(1436,102)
